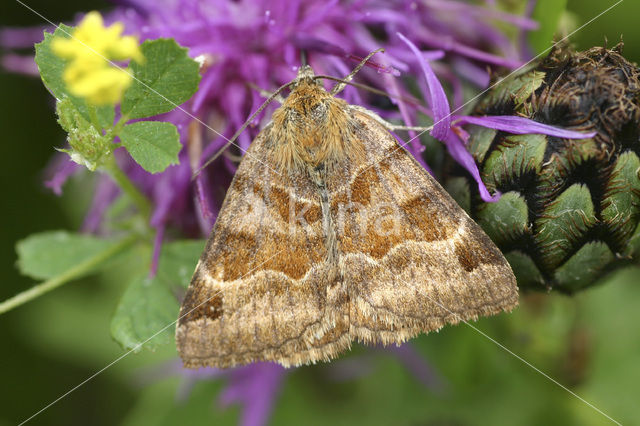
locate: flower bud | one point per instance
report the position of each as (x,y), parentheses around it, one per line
(89,148)
(570,208)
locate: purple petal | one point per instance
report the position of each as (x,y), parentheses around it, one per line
(479,55)
(105,193)
(416,148)
(523,22)
(350,94)
(521,126)
(20,64)
(20,38)
(472,72)
(204,201)
(439,102)
(189,376)
(62,168)
(255,387)
(212,148)
(417,366)
(205,86)
(459,152)
(433,55)
(304,42)
(523,42)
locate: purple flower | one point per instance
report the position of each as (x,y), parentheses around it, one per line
(258,42)
(60,169)
(256,388)
(436,97)
(520,126)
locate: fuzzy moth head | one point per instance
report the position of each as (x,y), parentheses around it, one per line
(312,128)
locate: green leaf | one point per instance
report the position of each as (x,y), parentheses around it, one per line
(149,306)
(168,78)
(548,14)
(51,68)
(153,144)
(49,254)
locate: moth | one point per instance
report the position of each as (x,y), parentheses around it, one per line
(331,232)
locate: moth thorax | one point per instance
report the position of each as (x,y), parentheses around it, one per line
(311,128)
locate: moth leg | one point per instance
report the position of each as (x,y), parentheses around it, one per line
(266,94)
(387,125)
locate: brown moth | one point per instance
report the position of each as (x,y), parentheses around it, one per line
(331,232)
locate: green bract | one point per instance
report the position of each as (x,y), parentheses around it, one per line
(570,208)
(88,146)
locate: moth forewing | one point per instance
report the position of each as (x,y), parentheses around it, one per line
(332,232)
(437,267)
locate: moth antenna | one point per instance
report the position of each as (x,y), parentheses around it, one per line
(340,86)
(241,129)
(385,123)
(409,100)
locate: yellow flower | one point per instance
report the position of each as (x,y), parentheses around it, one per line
(89,49)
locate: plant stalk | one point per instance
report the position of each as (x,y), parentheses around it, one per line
(72,273)
(122,180)
(93,114)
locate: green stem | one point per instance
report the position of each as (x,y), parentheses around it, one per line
(75,272)
(115,131)
(93,114)
(122,180)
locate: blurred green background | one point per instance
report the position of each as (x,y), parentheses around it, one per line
(589,342)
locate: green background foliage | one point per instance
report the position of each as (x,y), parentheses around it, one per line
(589,342)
